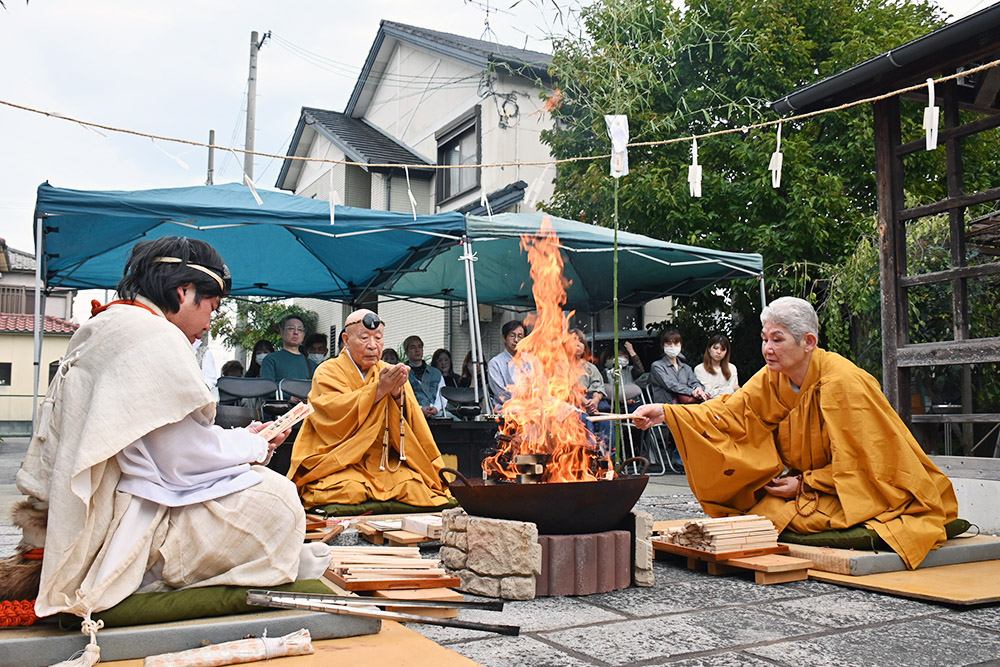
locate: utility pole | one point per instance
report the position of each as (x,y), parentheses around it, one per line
(211,158)
(252,102)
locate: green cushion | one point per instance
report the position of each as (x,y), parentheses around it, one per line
(858,537)
(379,507)
(186,604)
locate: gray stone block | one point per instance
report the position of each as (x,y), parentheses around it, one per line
(477,585)
(517,588)
(451,558)
(498,547)
(643,554)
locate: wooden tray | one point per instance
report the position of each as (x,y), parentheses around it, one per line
(716,556)
(386,583)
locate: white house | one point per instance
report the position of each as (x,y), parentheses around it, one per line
(426,97)
(17,327)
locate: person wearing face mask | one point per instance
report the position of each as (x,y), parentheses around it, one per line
(628,361)
(671,380)
(316,348)
(261,349)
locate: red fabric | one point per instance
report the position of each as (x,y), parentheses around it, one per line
(17,612)
(96,308)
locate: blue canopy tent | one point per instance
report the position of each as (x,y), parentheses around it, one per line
(286,246)
(648,268)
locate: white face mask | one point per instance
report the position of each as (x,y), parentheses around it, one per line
(623,361)
(260,358)
(671,350)
(317,358)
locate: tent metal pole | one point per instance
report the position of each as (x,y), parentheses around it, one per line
(475,328)
(468,258)
(763,294)
(39,314)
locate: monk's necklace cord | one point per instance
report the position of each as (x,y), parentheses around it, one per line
(803,497)
(384,463)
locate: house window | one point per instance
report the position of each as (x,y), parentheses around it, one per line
(5,374)
(459,143)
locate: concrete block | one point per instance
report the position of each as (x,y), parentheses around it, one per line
(585,576)
(499,547)
(477,585)
(623,554)
(517,588)
(643,554)
(455,519)
(542,578)
(643,578)
(606,561)
(451,558)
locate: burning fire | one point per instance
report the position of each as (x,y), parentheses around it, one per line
(542,418)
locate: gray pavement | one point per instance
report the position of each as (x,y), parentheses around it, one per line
(690,618)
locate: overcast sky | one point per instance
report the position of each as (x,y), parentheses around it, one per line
(179,69)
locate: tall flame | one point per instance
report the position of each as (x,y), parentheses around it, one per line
(543,413)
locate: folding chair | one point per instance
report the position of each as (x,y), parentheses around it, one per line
(660,440)
(240,400)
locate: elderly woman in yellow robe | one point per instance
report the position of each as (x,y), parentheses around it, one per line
(811,443)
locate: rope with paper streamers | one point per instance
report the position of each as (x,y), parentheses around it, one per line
(582,158)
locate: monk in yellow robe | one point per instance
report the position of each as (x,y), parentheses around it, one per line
(811,443)
(357,445)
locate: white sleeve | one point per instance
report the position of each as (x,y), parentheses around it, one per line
(190,461)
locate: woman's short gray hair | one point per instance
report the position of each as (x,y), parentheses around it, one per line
(796,315)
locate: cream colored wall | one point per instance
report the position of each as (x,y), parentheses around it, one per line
(18,350)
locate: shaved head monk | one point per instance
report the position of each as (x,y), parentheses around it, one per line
(367,439)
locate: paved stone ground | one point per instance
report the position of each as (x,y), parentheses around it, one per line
(689,618)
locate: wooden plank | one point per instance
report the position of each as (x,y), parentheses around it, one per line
(768,578)
(943,205)
(961,584)
(714,557)
(375,584)
(973,351)
(370,533)
(440,594)
(771,563)
(975,127)
(946,275)
(404,537)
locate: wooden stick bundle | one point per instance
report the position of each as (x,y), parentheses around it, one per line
(735,533)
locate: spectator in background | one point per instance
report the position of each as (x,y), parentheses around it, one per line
(499,368)
(232,369)
(671,380)
(593,387)
(442,361)
(260,350)
(628,360)
(425,380)
(468,372)
(718,376)
(389,356)
(316,348)
(289,362)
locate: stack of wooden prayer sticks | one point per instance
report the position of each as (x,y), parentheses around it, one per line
(735,533)
(385,568)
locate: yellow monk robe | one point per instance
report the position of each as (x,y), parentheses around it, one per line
(858,461)
(338,451)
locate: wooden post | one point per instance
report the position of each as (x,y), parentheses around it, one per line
(955,171)
(892,254)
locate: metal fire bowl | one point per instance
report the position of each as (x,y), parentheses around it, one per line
(557,508)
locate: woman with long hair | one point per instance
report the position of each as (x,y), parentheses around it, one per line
(718,376)
(261,349)
(442,361)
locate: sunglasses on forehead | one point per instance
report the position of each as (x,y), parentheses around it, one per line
(370,320)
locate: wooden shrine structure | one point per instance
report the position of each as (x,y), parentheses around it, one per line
(957,47)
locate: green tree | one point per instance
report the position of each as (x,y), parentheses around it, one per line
(243,322)
(705,67)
